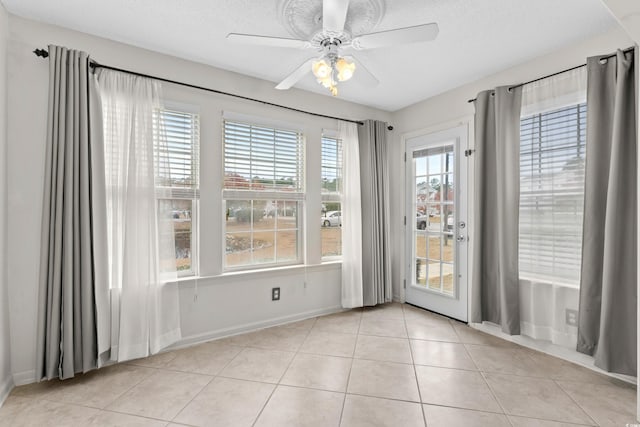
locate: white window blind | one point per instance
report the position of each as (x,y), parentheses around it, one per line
(331,221)
(263,193)
(552,159)
(331,169)
(262,159)
(177,136)
(176,156)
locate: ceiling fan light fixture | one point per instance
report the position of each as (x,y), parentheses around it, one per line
(326,82)
(321,69)
(345,69)
(330,84)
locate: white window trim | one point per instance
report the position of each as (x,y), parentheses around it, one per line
(575,98)
(296,196)
(249,119)
(169,193)
(331,197)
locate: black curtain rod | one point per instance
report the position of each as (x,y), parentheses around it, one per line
(563,71)
(93,64)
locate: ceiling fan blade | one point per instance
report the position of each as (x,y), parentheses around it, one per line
(362,74)
(299,73)
(419,33)
(334,14)
(266,40)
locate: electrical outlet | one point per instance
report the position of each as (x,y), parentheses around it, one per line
(275,294)
(571,317)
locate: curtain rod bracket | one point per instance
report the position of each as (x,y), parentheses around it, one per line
(41,53)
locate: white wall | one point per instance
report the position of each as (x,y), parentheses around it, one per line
(226,303)
(6,381)
(451,108)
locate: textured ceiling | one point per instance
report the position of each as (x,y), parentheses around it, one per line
(477,38)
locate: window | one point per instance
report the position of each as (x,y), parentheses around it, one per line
(263,193)
(552,159)
(331,220)
(176,156)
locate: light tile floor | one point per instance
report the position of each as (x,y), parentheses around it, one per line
(393,365)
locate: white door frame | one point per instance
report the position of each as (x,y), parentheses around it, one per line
(462,128)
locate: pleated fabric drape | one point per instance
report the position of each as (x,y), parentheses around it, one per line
(374,184)
(608,290)
(352,290)
(495,281)
(66,328)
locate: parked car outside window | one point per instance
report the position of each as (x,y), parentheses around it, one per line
(422,221)
(332,219)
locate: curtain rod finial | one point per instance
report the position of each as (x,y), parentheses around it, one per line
(41,53)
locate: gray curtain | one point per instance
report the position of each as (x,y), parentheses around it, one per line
(608,298)
(495,289)
(374,186)
(66,329)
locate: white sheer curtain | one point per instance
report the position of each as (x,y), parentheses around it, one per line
(545,298)
(144,307)
(351,218)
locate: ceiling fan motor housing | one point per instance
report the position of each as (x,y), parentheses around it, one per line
(303,20)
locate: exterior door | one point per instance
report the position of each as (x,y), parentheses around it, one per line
(436,229)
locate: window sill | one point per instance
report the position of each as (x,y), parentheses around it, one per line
(261,273)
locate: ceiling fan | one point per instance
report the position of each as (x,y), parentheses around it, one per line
(331,66)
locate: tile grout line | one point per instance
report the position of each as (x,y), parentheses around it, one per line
(465,348)
(554,421)
(276,385)
(415,372)
(493,394)
(132,387)
(522,416)
(213,377)
(194,396)
(266,402)
(217,375)
(346,389)
(158,370)
(162,369)
(557,383)
(146,417)
(112,401)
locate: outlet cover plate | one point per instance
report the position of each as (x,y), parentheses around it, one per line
(275,294)
(571,317)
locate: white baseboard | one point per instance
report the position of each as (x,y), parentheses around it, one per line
(25,377)
(551,349)
(249,327)
(5,388)
(28,377)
